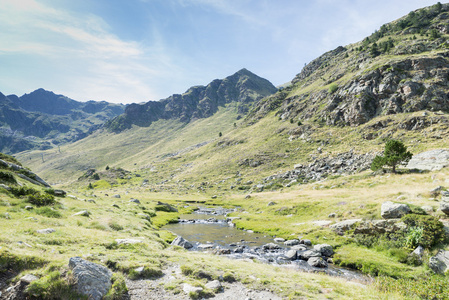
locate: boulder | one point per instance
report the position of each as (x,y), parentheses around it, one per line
(344,225)
(290,243)
(299,248)
(444,207)
(60,193)
(305,255)
(92,280)
(291,254)
(419,251)
(214,285)
(317,262)
(306,242)
(165,207)
(180,241)
(440,262)
(134,201)
(430,160)
(324,249)
(390,210)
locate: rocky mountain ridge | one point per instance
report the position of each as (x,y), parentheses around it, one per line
(401,68)
(243,87)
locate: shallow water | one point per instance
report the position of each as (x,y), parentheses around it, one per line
(209,227)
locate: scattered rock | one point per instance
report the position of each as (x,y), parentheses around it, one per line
(4,186)
(324,249)
(390,210)
(214,285)
(180,241)
(279,240)
(306,242)
(427,208)
(116,196)
(332,215)
(134,201)
(115,205)
(290,243)
(271,246)
(344,225)
(271,203)
(165,207)
(127,241)
(139,270)
(29,278)
(187,288)
(91,201)
(60,193)
(83,213)
(214,197)
(205,246)
(322,223)
(317,262)
(45,231)
(28,207)
(440,262)
(299,247)
(419,251)
(92,280)
(247,196)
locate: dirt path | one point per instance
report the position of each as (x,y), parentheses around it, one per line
(154,289)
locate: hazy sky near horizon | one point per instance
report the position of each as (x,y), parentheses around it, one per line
(128,51)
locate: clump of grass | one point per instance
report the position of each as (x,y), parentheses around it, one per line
(148,273)
(7,177)
(41,199)
(118,289)
(48,212)
(17,263)
(115,226)
(54,286)
(428,287)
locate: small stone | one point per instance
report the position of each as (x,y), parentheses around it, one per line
(291,254)
(332,215)
(419,251)
(29,278)
(290,243)
(127,241)
(214,197)
(45,231)
(134,201)
(91,201)
(187,288)
(306,242)
(116,196)
(247,196)
(390,210)
(271,246)
(139,270)
(115,205)
(205,246)
(271,203)
(279,240)
(325,249)
(180,241)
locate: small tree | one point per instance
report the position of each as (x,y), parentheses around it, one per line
(395,153)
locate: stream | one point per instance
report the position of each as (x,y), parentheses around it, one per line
(209,229)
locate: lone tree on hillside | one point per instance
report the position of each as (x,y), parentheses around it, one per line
(395,153)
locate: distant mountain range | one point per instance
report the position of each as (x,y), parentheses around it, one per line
(43,119)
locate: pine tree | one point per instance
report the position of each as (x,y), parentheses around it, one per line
(395,153)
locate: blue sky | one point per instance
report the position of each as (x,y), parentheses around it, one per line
(127,51)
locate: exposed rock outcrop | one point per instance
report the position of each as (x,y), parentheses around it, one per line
(92,280)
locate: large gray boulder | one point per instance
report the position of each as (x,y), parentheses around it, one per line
(390,210)
(306,255)
(317,262)
(324,249)
(430,160)
(180,241)
(440,262)
(92,280)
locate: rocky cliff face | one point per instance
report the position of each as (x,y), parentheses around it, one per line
(402,68)
(42,118)
(197,102)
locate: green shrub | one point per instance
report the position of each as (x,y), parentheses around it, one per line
(432,230)
(333,88)
(48,212)
(115,226)
(7,177)
(40,199)
(23,191)
(148,273)
(186,270)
